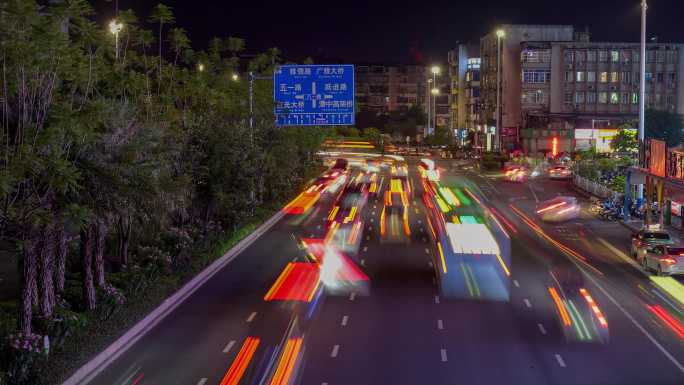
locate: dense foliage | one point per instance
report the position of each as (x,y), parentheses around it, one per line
(135,155)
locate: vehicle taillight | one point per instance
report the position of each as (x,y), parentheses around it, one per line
(669,260)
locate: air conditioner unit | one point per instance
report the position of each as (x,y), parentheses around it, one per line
(613,88)
(591,87)
(568,66)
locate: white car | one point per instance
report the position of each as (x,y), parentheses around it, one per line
(560,172)
(664,260)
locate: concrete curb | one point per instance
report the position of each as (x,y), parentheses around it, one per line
(91,369)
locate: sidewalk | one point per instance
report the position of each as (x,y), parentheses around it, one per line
(635,225)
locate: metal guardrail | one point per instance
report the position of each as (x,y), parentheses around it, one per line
(595,188)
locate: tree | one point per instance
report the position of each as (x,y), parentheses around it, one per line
(161,14)
(664,125)
(625,141)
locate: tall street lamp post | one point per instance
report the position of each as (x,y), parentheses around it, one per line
(115,27)
(642,89)
(500,34)
(429,107)
(434,91)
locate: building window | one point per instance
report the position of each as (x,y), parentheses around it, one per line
(579,76)
(534,97)
(591,76)
(670,101)
(624,98)
(536,56)
(591,56)
(579,97)
(603,56)
(568,76)
(614,77)
(614,98)
(603,97)
(660,56)
(603,77)
(636,56)
(626,56)
(649,77)
(671,56)
(591,97)
(569,56)
(614,56)
(635,98)
(660,78)
(580,56)
(650,56)
(568,98)
(536,76)
(627,77)
(658,99)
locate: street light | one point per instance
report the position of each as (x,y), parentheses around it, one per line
(435,91)
(500,34)
(435,71)
(200,67)
(642,91)
(115,27)
(235,77)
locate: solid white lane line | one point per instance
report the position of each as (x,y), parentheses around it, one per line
(541,329)
(229,346)
(345,319)
(437,299)
(515,282)
(352,296)
(527,302)
(440,324)
(444,355)
(202,381)
(335,350)
(251,317)
(560,360)
(365,248)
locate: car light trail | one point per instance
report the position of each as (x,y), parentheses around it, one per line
(670,321)
(382,222)
(568,251)
(333,212)
(594,307)
(551,207)
(579,325)
(287,362)
(244,356)
(441,257)
(503,219)
(279,282)
(473,196)
(560,306)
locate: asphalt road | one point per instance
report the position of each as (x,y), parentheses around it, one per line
(404,331)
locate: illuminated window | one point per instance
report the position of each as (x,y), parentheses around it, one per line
(626,77)
(603,77)
(614,98)
(635,98)
(580,76)
(568,76)
(614,56)
(569,56)
(579,97)
(603,56)
(649,77)
(603,97)
(614,77)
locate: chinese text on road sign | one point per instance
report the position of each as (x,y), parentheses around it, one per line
(307,95)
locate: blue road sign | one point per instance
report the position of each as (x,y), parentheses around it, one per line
(314,95)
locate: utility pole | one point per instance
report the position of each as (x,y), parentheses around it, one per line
(497,136)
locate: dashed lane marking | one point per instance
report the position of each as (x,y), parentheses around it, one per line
(335,350)
(515,282)
(202,381)
(345,319)
(352,296)
(440,324)
(251,317)
(561,363)
(443,353)
(527,302)
(437,299)
(229,346)
(541,329)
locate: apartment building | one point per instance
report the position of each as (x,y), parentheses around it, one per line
(464,75)
(509,48)
(570,89)
(388,88)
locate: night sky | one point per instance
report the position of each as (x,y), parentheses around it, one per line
(399,31)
